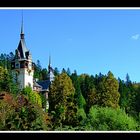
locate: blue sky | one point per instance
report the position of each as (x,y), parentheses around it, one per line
(88,40)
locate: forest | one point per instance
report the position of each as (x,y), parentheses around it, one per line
(76,102)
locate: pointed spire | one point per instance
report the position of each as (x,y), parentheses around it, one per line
(49,66)
(50,71)
(22,24)
(49,60)
(22,33)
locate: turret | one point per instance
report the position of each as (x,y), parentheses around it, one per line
(22,66)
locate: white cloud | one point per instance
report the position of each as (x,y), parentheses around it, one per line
(135,37)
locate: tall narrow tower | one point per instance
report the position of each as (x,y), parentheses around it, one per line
(50,71)
(22,66)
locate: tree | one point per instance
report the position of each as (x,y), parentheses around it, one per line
(129,97)
(61,100)
(5,80)
(56,71)
(5,60)
(39,65)
(37,72)
(123,90)
(78,94)
(44,74)
(87,85)
(83,86)
(128,81)
(111,95)
(90,91)
(63,70)
(107,91)
(68,72)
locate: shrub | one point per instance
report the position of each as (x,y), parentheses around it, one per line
(33,96)
(20,114)
(105,118)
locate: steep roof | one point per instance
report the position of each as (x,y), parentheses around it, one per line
(22,51)
(37,85)
(44,84)
(22,48)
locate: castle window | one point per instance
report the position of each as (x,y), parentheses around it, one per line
(26,64)
(21,64)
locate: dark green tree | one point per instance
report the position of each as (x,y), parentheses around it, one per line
(61,100)
(107,91)
(68,71)
(44,73)
(56,71)
(64,71)
(37,70)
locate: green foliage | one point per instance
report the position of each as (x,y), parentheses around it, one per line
(56,71)
(88,90)
(21,115)
(63,71)
(68,72)
(60,90)
(27,90)
(123,90)
(44,73)
(6,111)
(39,73)
(112,93)
(14,88)
(5,80)
(61,100)
(109,119)
(107,91)
(81,115)
(78,94)
(129,97)
(43,99)
(5,60)
(81,102)
(33,96)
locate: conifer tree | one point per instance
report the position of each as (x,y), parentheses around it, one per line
(61,100)
(111,94)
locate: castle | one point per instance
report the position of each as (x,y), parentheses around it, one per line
(23,70)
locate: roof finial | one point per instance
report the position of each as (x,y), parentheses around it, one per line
(22,33)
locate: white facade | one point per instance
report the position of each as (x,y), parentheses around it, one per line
(23,77)
(22,66)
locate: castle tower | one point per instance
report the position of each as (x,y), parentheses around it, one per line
(22,66)
(50,71)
